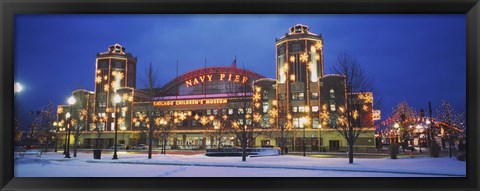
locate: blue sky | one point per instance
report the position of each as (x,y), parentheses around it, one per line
(416,58)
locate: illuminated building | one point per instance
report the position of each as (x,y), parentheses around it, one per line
(202,104)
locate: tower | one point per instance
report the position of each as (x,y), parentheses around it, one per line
(299,66)
(115,70)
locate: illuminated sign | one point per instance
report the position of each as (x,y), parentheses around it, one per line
(190,102)
(222,77)
(377,114)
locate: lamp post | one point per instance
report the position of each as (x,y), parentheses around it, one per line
(64,129)
(67,136)
(55,124)
(304,141)
(17,88)
(320,141)
(116,100)
(396,126)
(71,102)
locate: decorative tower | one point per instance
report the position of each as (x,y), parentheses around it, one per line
(299,67)
(115,70)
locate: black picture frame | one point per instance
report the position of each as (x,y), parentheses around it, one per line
(8,9)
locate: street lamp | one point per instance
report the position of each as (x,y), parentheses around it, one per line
(55,124)
(17,87)
(67,136)
(304,139)
(116,100)
(320,141)
(71,101)
(396,126)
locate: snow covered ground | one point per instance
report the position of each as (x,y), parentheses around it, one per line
(199,165)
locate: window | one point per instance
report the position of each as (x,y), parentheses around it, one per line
(194,123)
(314,95)
(265,107)
(112,126)
(295,109)
(240,111)
(249,110)
(301,96)
(294,96)
(265,95)
(209,112)
(215,112)
(332,93)
(296,48)
(249,121)
(230,111)
(282,96)
(296,122)
(314,108)
(301,109)
(332,107)
(240,122)
(315,123)
(113,115)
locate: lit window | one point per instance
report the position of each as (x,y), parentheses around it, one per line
(332,107)
(209,112)
(296,122)
(314,108)
(112,126)
(332,93)
(294,109)
(315,123)
(301,109)
(240,111)
(265,107)
(294,96)
(230,111)
(301,96)
(215,112)
(314,95)
(113,114)
(249,110)
(240,122)
(249,121)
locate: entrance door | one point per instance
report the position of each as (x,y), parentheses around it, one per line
(265,143)
(334,145)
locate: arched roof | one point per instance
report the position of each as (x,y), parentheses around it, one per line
(210,70)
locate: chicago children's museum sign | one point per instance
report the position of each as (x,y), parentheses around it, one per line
(190,102)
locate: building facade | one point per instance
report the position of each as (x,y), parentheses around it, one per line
(211,106)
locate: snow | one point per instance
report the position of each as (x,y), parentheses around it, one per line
(199,165)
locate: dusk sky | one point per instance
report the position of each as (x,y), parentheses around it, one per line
(415,58)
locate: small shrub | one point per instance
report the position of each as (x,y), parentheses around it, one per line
(393,150)
(462,156)
(434,150)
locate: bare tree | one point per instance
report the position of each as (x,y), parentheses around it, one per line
(215,126)
(351,124)
(452,123)
(150,84)
(406,118)
(17,132)
(44,131)
(99,124)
